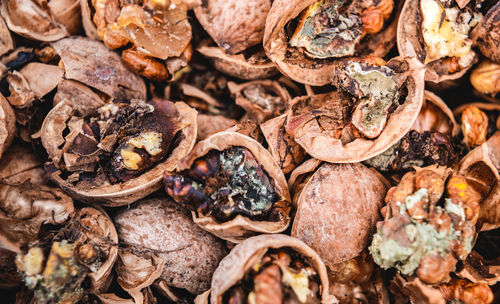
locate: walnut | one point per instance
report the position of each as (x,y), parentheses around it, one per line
(486,77)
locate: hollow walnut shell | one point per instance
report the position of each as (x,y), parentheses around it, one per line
(311,71)
(239,65)
(410,44)
(185,255)
(322,145)
(244,255)
(322,196)
(47,21)
(436,116)
(7,124)
(110,194)
(240,227)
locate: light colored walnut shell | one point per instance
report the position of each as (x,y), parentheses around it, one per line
(189,255)
(7,125)
(436,116)
(101,278)
(234,25)
(6,41)
(42,78)
(321,145)
(343,199)
(320,72)
(93,64)
(241,227)
(63,17)
(244,255)
(255,112)
(121,193)
(410,46)
(237,65)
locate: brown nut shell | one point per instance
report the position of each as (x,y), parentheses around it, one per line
(237,65)
(189,254)
(487,34)
(241,227)
(6,41)
(310,71)
(435,116)
(51,22)
(7,125)
(244,255)
(322,145)
(121,193)
(234,25)
(93,64)
(410,45)
(343,199)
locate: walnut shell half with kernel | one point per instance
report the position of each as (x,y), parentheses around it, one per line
(306,38)
(43,21)
(345,200)
(344,126)
(273,253)
(233,187)
(114,153)
(160,234)
(420,34)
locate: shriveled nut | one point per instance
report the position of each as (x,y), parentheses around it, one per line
(467,292)
(373,17)
(486,77)
(474,126)
(431,181)
(461,192)
(145,65)
(86,253)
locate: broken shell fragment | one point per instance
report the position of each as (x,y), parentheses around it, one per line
(233,187)
(305,39)
(280,269)
(162,244)
(486,35)
(443,43)
(115,153)
(42,21)
(6,41)
(7,125)
(374,107)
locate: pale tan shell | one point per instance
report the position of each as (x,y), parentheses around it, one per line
(93,64)
(122,193)
(409,44)
(241,227)
(234,25)
(237,65)
(255,112)
(88,25)
(344,200)
(64,17)
(7,125)
(244,255)
(321,145)
(6,41)
(320,72)
(477,270)
(436,116)
(101,278)
(42,78)
(189,254)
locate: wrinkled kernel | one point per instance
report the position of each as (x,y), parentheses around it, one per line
(474,126)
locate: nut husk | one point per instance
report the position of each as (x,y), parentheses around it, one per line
(237,65)
(244,255)
(410,44)
(7,125)
(312,71)
(324,199)
(321,144)
(159,230)
(50,22)
(240,227)
(107,194)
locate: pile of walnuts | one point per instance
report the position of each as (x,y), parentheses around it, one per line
(249,152)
